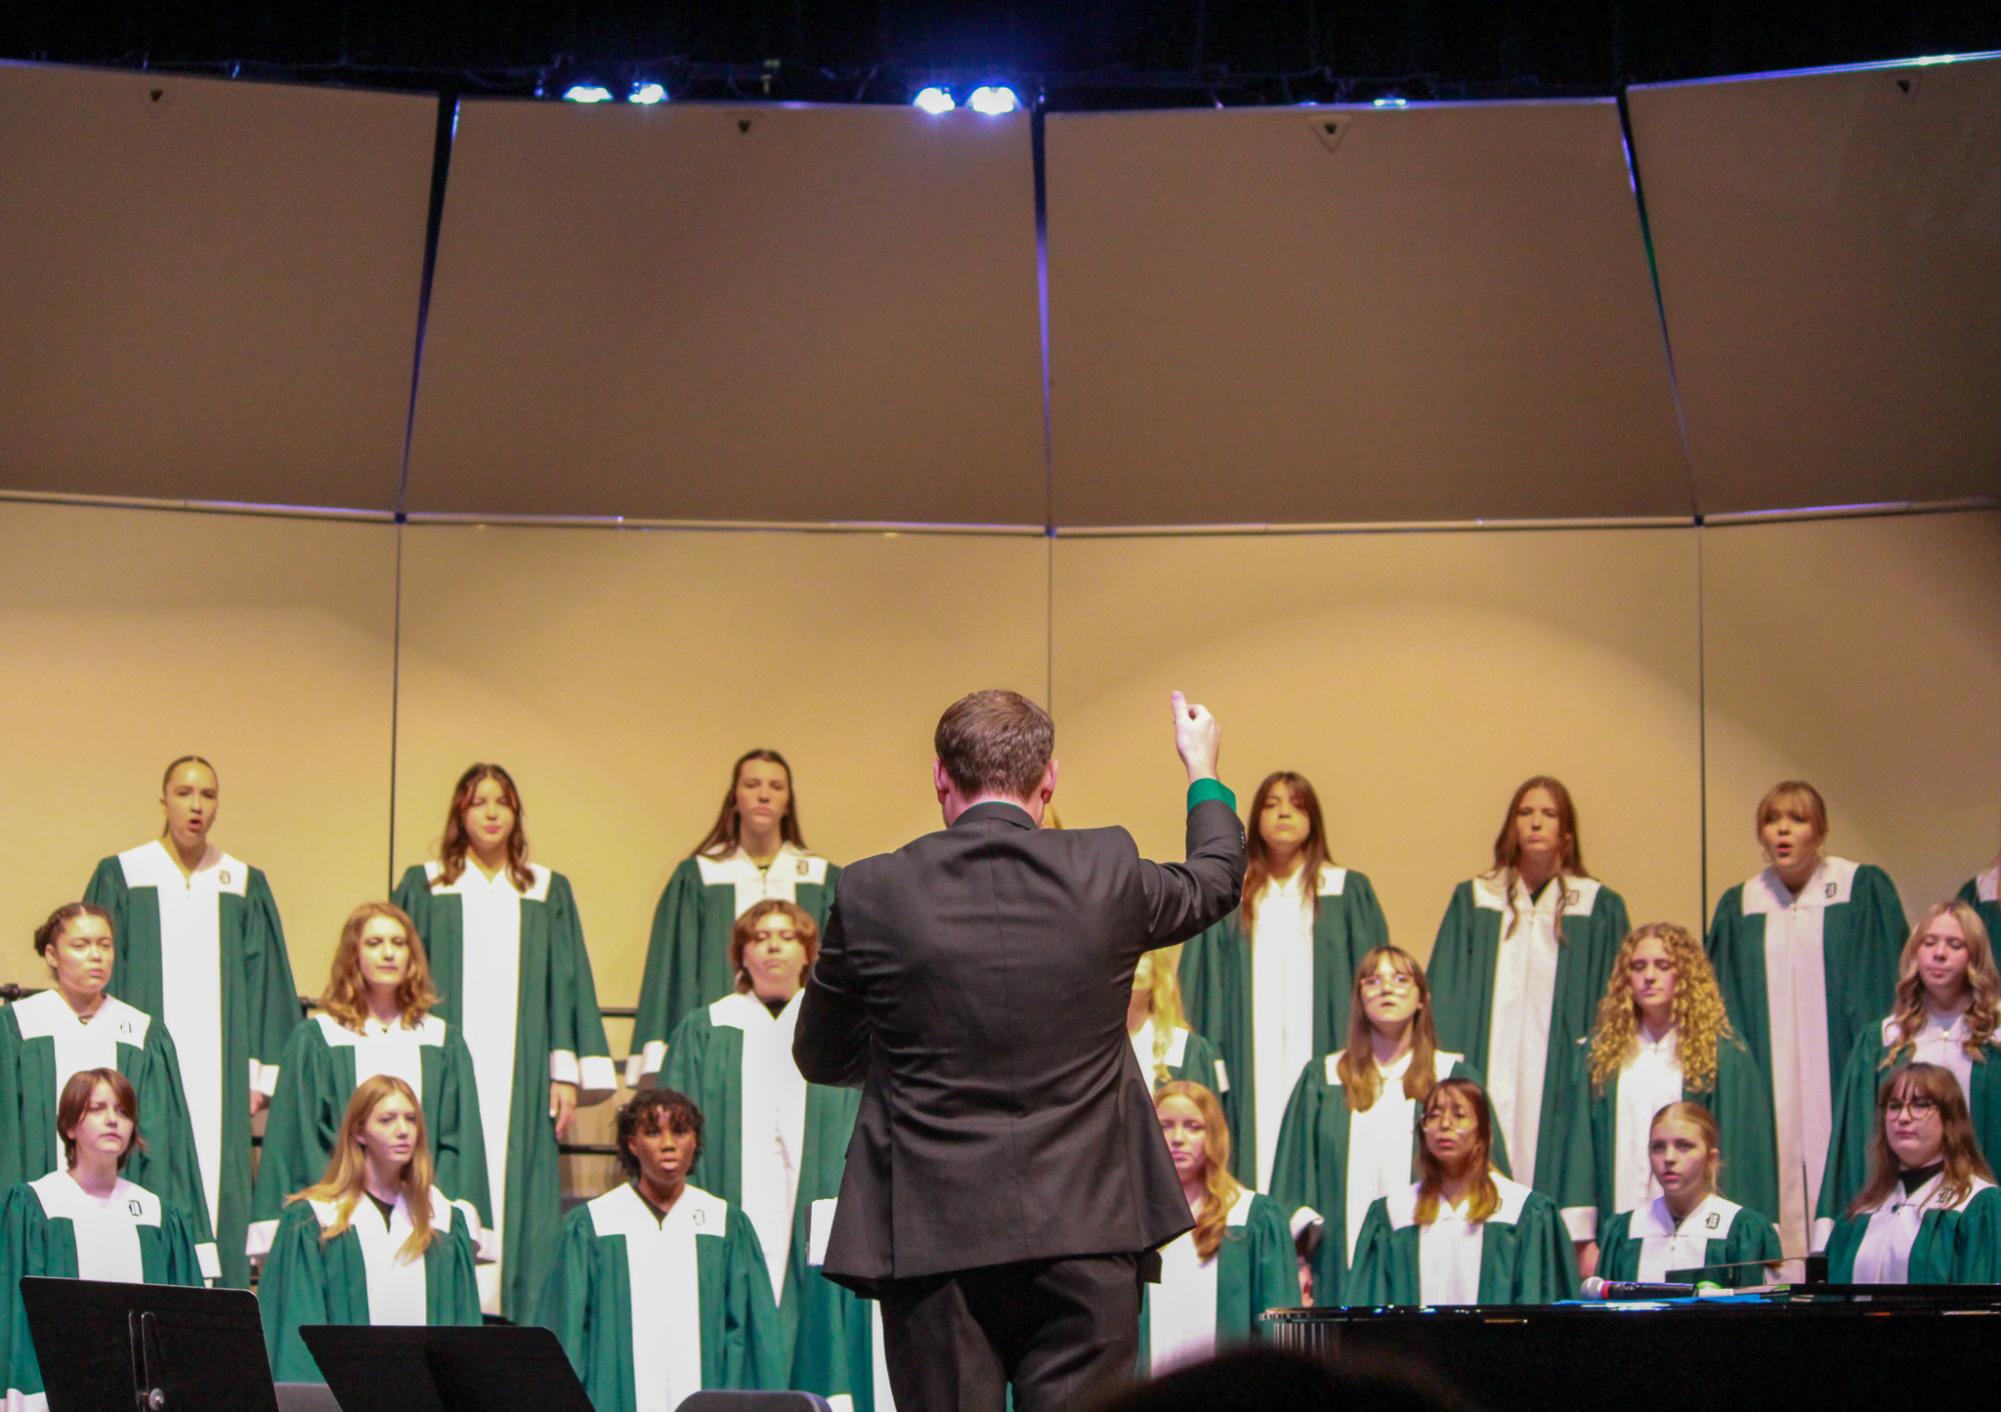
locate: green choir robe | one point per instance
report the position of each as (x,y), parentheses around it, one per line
(1941,1245)
(1856,1116)
(837,1346)
(205,956)
(1741,1102)
(1983,894)
(1201,1306)
(513,977)
(1647,1244)
(42,1043)
(1187,1057)
(361,1276)
(53,1227)
(1332,1166)
(1217,989)
(652,1309)
(688,956)
(734,1059)
(1801,1003)
(1493,997)
(324,1063)
(1519,1255)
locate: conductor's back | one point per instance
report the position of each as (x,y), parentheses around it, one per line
(1007,1171)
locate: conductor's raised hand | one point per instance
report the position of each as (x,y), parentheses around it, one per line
(1197,738)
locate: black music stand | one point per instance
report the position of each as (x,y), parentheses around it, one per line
(105,1346)
(410,1368)
(1769,1266)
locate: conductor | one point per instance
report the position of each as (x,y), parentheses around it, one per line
(1007,1181)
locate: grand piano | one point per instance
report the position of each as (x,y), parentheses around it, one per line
(1807,1345)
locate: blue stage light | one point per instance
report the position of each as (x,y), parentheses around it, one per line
(1390,101)
(647,93)
(587,93)
(993,99)
(934,100)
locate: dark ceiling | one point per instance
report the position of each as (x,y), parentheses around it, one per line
(1081,54)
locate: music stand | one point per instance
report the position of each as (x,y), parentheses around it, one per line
(410,1368)
(160,1348)
(1771,1268)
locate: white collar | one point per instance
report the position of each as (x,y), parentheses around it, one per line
(1832,883)
(1712,1217)
(1947,1023)
(1665,1047)
(1292,887)
(1929,1197)
(1572,894)
(742,1007)
(1401,1204)
(786,850)
(211,857)
(1550,899)
(1924,1198)
(1806,889)
(399,1214)
(1452,1211)
(1398,1066)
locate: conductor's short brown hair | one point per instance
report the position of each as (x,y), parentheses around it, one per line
(995,742)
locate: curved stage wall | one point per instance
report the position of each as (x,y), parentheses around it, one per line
(811,317)
(1668,675)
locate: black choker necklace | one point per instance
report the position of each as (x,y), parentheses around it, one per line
(1916,1177)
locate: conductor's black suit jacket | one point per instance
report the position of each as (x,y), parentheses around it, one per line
(975,984)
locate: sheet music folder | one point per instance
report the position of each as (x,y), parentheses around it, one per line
(105,1345)
(410,1368)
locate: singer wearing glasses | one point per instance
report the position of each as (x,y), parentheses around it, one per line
(1929,1214)
(1461,1234)
(1350,1129)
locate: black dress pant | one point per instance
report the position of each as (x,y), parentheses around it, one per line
(1061,1331)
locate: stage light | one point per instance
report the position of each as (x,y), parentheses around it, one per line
(587,93)
(647,93)
(1390,101)
(934,100)
(993,100)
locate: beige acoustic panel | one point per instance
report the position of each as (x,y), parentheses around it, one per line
(1416,679)
(135,636)
(715,313)
(1316,315)
(618,673)
(211,287)
(1864,656)
(1829,248)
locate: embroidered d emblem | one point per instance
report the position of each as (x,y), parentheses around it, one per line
(700,1217)
(1830,891)
(1715,1220)
(802,867)
(223,877)
(1570,899)
(134,1208)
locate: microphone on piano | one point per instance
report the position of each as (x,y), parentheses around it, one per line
(1595,1288)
